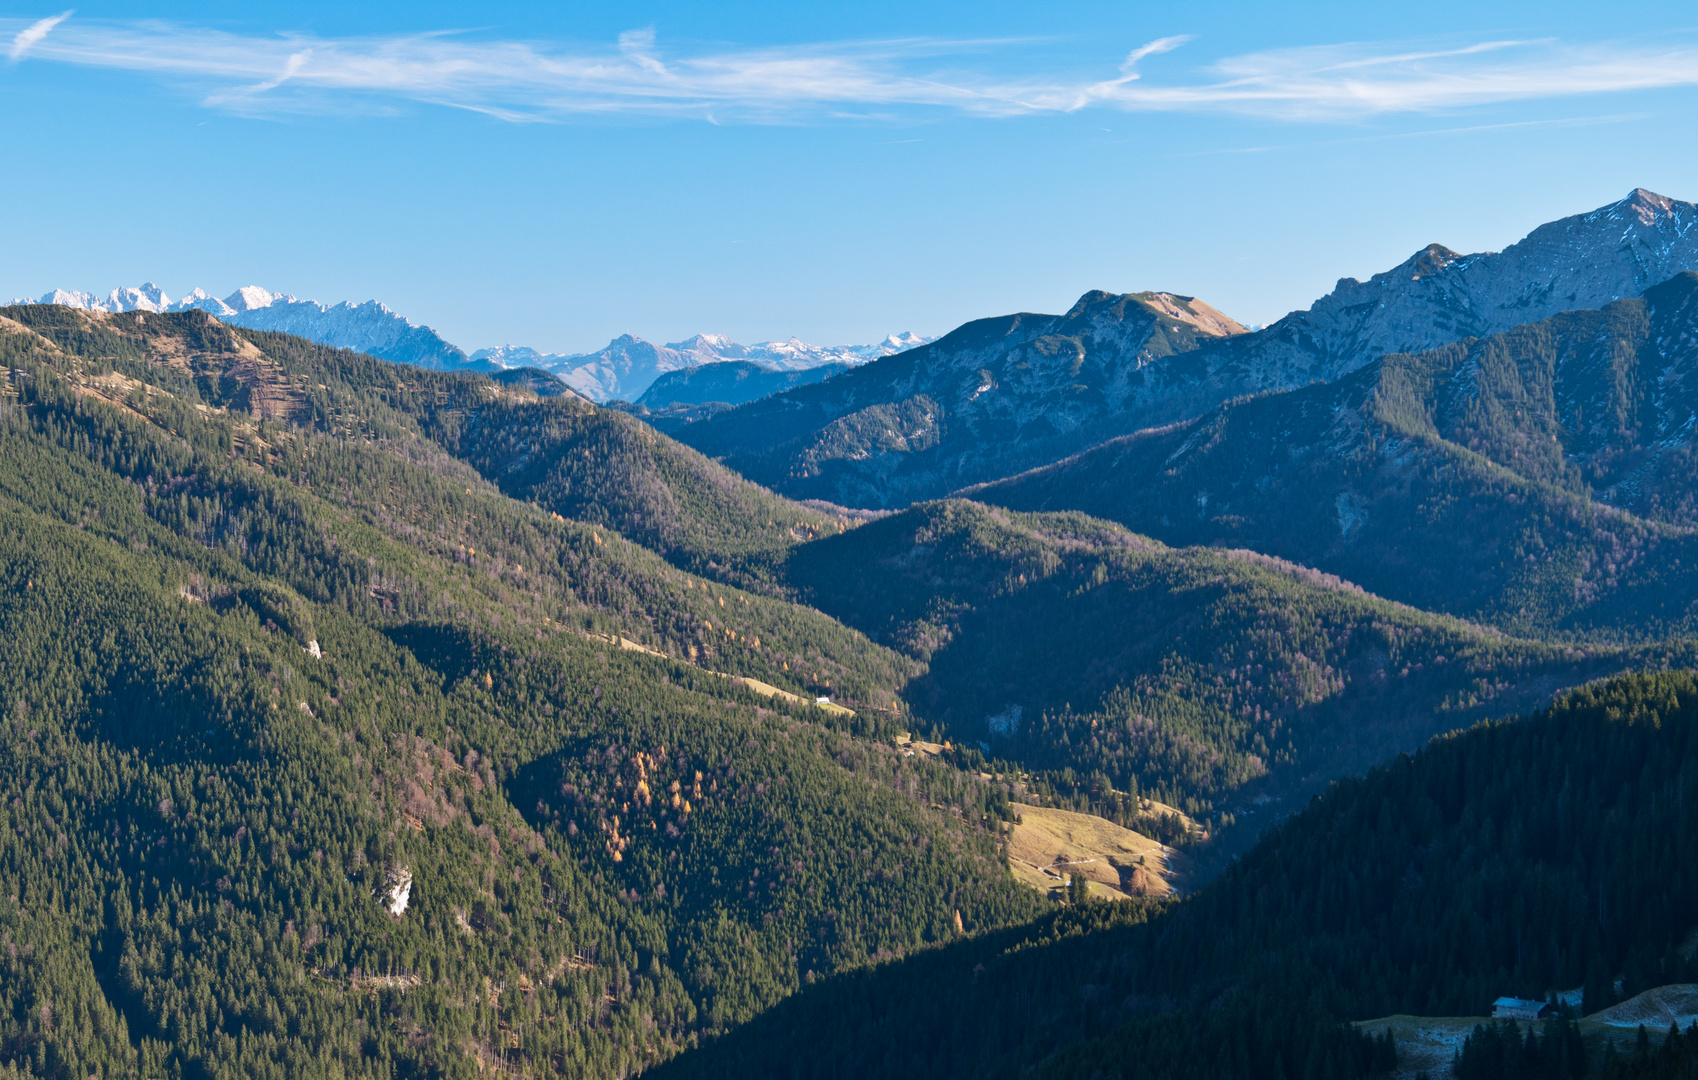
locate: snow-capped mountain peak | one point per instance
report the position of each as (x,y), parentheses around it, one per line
(624,369)
(715,344)
(146,297)
(902,342)
(629,365)
(252,298)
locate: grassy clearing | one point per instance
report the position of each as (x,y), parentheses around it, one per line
(1049,844)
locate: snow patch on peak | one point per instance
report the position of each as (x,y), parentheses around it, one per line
(712,343)
(628,366)
(252,298)
(148,297)
(86,301)
(517,356)
(902,342)
(201,300)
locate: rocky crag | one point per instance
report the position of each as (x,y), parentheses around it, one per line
(1001,395)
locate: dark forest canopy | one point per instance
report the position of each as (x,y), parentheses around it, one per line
(1509,859)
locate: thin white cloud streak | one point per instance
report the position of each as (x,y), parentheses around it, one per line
(1349,81)
(525,81)
(32,34)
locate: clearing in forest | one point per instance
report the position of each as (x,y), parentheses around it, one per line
(1049,844)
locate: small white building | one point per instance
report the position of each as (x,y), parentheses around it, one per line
(1511,1008)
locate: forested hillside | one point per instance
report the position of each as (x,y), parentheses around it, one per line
(357,434)
(313,768)
(571,458)
(607,468)
(1204,678)
(1516,858)
(1539,480)
(367,719)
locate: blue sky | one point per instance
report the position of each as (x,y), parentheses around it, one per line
(555,175)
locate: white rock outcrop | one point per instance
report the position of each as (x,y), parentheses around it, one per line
(400,892)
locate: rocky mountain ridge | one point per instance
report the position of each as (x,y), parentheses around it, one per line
(371,327)
(1049,386)
(1438,296)
(1541,479)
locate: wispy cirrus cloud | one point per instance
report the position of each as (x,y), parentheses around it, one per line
(1349,81)
(32,34)
(538,81)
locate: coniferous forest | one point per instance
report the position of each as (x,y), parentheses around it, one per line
(366,720)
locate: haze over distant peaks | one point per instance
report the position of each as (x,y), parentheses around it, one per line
(628,366)
(624,369)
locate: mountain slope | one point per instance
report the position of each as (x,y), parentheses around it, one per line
(1212,680)
(536,380)
(606,468)
(353,431)
(1454,480)
(730,381)
(985,399)
(314,769)
(1509,859)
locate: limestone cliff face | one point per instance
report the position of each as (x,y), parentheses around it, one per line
(1437,296)
(1002,395)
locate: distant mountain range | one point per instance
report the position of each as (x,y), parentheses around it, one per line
(621,371)
(370,327)
(1001,395)
(628,366)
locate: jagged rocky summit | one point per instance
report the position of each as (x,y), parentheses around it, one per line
(1000,395)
